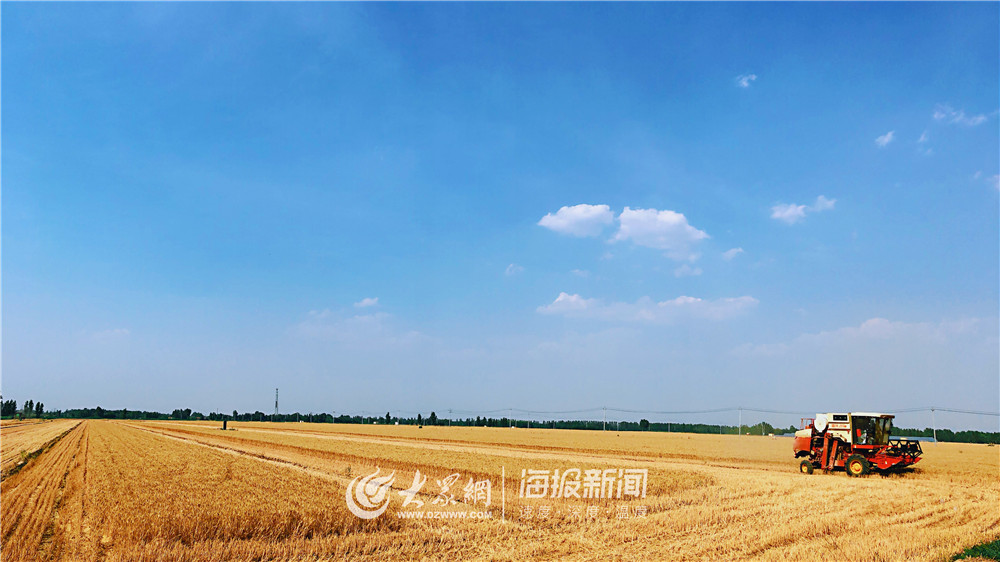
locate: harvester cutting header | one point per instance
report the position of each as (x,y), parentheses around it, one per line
(858,442)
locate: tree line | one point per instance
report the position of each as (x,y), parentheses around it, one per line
(8,409)
(31,409)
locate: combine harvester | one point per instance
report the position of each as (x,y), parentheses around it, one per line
(857,442)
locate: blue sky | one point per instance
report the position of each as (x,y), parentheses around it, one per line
(546,206)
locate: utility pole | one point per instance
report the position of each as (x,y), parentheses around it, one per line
(605,419)
(934,424)
(740,430)
(511,413)
(276,402)
(449,417)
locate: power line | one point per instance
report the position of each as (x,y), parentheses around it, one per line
(953,410)
(705,411)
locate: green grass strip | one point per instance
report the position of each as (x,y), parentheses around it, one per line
(989,550)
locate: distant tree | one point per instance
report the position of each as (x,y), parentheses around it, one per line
(433,420)
(29,408)
(9,407)
(420,420)
(39,408)
(388,419)
(99,411)
(644,424)
(235,414)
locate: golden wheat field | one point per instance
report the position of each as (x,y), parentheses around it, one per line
(116,490)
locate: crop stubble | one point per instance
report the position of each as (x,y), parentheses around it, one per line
(188,491)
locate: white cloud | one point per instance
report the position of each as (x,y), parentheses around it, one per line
(580,272)
(728,255)
(823,204)
(789,213)
(946,114)
(645,310)
(363,303)
(995,180)
(744,80)
(579,220)
(513,269)
(924,137)
(662,230)
(566,303)
(686,270)
(885,139)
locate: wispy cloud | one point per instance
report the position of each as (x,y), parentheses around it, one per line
(924,137)
(728,255)
(375,330)
(686,270)
(873,329)
(790,213)
(111,335)
(662,230)
(579,220)
(993,181)
(366,302)
(513,269)
(823,204)
(946,114)
(580,272)
(744,80)
(645,310)
(885,139)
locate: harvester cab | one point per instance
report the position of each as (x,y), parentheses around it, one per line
(858,442)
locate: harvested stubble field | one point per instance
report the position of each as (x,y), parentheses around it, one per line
(112,490)
(24,439)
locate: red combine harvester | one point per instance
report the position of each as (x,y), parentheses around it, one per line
(857,442)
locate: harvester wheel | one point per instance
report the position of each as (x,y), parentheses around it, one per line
(806,467)
(857,465)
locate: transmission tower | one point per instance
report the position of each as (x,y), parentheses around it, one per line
(276,402)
